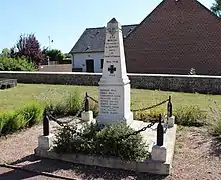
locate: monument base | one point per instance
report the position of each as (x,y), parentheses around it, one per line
(104,119)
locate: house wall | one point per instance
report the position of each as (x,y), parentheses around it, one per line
(182,83)
(175,37)
(79,60)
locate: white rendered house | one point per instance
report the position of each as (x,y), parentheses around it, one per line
(88,52)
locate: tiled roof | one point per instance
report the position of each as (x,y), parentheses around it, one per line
(93,39)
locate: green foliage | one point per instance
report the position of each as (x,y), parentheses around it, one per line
(92,139)
(68,105)
(73,103)
(5,53)
(31,113)
(54,54)
(216,7)
(19,64)
(217,127)
(148,115)
(215,119)
(190,116)
(11,121)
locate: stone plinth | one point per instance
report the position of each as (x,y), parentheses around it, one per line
(148,166)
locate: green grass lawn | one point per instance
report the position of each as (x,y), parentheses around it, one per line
(23,93)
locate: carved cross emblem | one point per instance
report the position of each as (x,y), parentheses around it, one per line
(111,69)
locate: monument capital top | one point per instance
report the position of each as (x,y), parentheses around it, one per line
(113,20)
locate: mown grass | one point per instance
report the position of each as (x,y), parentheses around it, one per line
(23,93)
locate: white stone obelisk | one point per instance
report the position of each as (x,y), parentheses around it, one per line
(114,85)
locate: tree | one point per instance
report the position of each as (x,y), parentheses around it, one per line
(54,54)
(29,47)
(216,7)
(67,56)
(5,52)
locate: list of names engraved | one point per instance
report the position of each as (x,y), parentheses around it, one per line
(109,101)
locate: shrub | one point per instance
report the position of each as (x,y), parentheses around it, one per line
(31,113)
(56,107)
(217,127)
(148,115)
(190,116)
(19,64)
(73,103)
(68,105)
(215,117)
(11,121)
(102,142)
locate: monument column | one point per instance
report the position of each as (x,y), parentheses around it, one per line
(114,85)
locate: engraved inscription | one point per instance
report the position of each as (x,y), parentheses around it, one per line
(112,46)
(109,101)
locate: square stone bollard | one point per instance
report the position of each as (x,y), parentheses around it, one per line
(87,116)
(45,142)
(171,121)
(159,153)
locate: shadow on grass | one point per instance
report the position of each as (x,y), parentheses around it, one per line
(216,147)
(34,163)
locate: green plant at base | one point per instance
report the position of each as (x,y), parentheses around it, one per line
(102,142)
(190,116)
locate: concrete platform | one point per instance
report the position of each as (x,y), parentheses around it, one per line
(7,83)
(148,166)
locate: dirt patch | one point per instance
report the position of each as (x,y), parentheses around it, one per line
(197,156)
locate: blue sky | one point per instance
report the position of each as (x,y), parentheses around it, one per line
(65,20)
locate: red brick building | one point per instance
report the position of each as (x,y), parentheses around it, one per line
(177,36)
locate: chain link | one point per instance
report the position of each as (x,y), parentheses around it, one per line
(150,107)
(51,117)
(137,132)
(96,101)
(143,109)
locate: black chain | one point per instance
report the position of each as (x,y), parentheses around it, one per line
(137,132)
(143,109)
(96,101)
(51,117)
(147,108)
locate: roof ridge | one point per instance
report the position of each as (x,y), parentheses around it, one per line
(104,26)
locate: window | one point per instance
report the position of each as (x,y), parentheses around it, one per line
(102,63)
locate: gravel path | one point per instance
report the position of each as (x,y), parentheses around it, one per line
(197,156)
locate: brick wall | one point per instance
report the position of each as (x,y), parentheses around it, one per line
(183,83)
(175,37)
